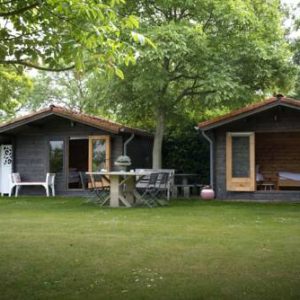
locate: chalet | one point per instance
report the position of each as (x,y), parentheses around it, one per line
(66,142)
(255,151)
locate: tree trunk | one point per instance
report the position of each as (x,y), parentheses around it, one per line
(158,140)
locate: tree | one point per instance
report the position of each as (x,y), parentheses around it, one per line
(209,53)
(60,35)
(294,36)
(80,92)
(296,58)
(181,143)
(14,91)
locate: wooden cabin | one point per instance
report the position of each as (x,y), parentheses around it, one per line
(255,151)
(67,142)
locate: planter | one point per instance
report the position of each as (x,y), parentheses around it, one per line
(207,193)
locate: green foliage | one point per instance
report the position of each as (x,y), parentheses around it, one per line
(209,54)
(14,91)
(59,35)
(63,34)
(186,151)
(296,46)
(71,89)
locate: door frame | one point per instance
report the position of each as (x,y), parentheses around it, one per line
(107,140)
(240,184)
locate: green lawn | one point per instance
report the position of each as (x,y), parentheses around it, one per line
(64,248)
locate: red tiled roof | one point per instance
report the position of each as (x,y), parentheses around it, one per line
(270,102)
(90,120)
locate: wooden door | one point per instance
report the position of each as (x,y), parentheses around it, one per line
(240,161)
(99,153)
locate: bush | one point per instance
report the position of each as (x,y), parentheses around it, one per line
(186,151)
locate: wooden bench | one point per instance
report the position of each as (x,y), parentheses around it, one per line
(186,190)
(185,185)
(17,183)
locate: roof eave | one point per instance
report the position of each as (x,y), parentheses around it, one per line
(45,113)
(216,124)
(79,120)
(14,124)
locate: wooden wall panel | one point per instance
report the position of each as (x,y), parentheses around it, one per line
(277,152)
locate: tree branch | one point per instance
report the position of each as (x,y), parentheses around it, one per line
(192,91)
(195,77)
(205,25)
(19,11)
(30,65)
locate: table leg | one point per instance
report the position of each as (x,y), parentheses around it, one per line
(186,192)
(175,191)
(130,187)
(114,191)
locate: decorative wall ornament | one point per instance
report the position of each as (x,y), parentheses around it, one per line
(7,155)
(6,162)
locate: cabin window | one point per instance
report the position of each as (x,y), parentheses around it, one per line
(240,156)
(56,156)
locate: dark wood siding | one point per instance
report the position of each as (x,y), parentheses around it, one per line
(140,152)
(277,152)
(277,120)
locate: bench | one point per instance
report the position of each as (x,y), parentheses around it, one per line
(186,189)
(17,183)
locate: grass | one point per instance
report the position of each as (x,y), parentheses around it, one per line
(64,248)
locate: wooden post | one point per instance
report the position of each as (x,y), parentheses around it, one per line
(130,186)
(114,191)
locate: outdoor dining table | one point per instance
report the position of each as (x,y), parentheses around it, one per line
(128,196)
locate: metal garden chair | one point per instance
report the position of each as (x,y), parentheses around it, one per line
(148,192)
(161,192)
(96,191)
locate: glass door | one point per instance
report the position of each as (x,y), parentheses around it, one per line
(240,161)
(99,153)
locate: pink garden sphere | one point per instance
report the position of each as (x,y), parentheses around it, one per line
(207,193)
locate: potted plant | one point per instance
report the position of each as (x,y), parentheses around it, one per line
(123,161)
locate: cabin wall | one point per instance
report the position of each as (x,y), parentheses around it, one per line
(280,120)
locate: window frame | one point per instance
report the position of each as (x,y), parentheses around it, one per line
(243,184)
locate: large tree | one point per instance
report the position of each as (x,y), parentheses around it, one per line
(208,53)
(80,92)
(14,91)
(61,34)
(57,35)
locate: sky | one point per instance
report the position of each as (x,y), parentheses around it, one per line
(295,5)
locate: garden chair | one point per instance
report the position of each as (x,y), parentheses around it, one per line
(162,189)
(148,192)
(143,181)
(93,185)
